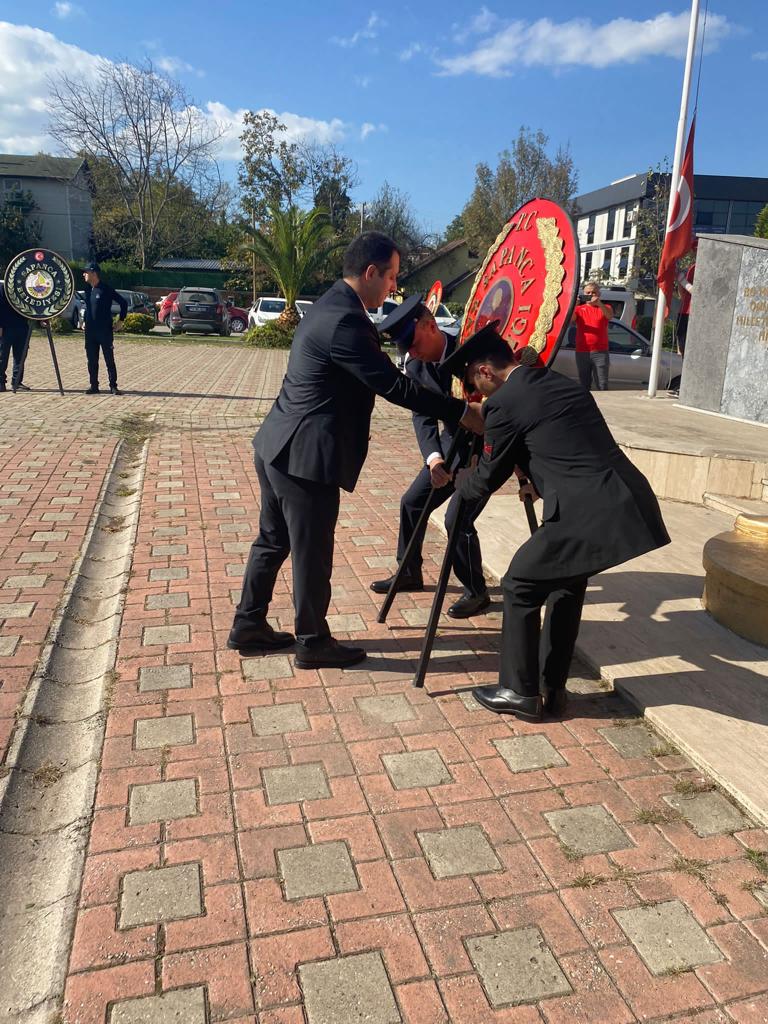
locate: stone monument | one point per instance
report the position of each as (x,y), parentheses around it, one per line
(726,355)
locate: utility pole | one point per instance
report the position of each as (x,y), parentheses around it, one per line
(362,215)
(253,261)
(658,323)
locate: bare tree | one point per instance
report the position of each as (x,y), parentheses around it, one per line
(154,140)
(391,211)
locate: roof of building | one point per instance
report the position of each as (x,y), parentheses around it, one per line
(187,264)
(706,186)
(434,256)
(41,165)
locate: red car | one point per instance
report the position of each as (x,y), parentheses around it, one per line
(238,318)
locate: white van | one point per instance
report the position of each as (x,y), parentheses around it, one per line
(622,302)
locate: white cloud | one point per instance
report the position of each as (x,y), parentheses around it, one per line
(298,128)
(581,43)
(482,22)
(370,31)
(65,10)
(368,129)
(760,55)
(363,81)
(174,65)
(410,52)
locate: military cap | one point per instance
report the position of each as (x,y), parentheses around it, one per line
(401,322)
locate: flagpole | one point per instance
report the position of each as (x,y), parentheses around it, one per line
(658,323)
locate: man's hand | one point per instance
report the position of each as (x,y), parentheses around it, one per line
(438,474)
(527,490)
(119,325)
(473,418)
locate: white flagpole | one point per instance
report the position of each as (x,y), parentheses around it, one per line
(658,323)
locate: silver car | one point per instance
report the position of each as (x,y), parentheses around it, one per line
(630,359)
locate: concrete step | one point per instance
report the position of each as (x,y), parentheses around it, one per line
(765,489)
(735,506)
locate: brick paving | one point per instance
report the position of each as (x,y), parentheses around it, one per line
(276,845)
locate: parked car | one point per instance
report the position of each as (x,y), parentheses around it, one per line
(164,306)
(444,317)
(74,308)
(238,318)
(269,307)
(199,309)
(382,312)
(630,359)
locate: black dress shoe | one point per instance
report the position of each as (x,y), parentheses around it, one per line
(469,605)
(555,701)
(115,390)
(328,654)
(3,387)
(503,701)
(258,639)
(92,391)
(21,387)
(408,584)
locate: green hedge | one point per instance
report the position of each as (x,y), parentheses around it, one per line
(138,323)
(62,325)
(272,334)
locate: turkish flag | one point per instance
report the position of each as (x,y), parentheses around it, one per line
(679,238)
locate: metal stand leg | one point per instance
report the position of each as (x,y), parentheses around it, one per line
(53,355)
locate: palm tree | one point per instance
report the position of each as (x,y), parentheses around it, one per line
(296,245)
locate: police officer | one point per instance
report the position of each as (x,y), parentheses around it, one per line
(14,338)
(99,297)
(425,347)
(598,511)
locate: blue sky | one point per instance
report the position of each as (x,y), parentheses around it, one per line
(417,93)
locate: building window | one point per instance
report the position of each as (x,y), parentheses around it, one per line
(629,219)
(606,267)
(591,229)
(623,262)
(12,184)
(610,231)
(711,216)
(743,216)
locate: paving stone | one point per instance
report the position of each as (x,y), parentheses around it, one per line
(516,967)
(667,937)
(160,894)
(350,990)
(761,894)
(317,870)
(162,575)
(165,635)
(164,732)
(527,753)
(169,549)
(708,813)
(155,602)
(235,569)
(417,768)
(183,1006)
(165,677)
(271,667)
(162,801)
(8,645)
(631,740)
(28,582)
(299,782)
(389,709)
(588,830)
(458,851)
(347,623)
(169,531)
(278,719)
(38,557)
(17,610)
(469,701)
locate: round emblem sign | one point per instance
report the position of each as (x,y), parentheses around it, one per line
(39,284)
(528,282)
(434,296)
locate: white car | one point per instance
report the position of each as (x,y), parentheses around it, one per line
(630,362)
(443,316)
(269,308)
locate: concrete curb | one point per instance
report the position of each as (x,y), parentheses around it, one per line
(46,800)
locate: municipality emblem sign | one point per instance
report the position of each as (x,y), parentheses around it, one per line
(528,283)
(39,284)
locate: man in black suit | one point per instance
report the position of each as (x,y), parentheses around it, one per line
(14,338)
(99,297)
(314,441)
(598,511)
(424,347)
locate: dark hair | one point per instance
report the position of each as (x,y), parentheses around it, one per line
(494,351)
(370,247)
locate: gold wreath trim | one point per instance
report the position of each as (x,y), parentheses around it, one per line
(553,246)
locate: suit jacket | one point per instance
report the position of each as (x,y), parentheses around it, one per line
(101,323)
(319,425)
(13,325)
(598,508)
(436,378)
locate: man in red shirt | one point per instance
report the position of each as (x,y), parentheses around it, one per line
(591,318)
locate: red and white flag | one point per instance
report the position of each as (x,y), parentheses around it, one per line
(679,238)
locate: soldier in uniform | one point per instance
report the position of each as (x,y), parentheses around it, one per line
(314,441)
(14,338)
(425,347)
(598,511)
(99,297)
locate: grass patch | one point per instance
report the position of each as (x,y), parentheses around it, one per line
(687,787)
(134,428)
(587,880)
(758,860)
(690,866)
(47,774)
(569,853)
(125,492)
(655,816)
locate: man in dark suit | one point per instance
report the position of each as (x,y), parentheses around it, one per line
(425,347)
(99,297)
(598,511)
(14,338)
(314,441)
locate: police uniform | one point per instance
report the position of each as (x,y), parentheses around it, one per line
(15,330)
(598,511)
(99,329)
(433,442)
(313,442)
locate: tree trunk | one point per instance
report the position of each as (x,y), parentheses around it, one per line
(289,317)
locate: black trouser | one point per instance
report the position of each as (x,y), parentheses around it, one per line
(593,366)
(16,342)
(682,332)
(467,562)
(298,517)
(95,340)
(533,655)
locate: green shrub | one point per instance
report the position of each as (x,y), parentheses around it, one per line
(272,334)
(645,326)
(61,325)
(456,308)
(138,323)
